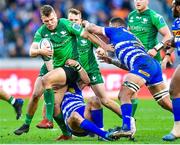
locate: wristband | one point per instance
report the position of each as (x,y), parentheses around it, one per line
(168,53)
(159,46)
(78,67)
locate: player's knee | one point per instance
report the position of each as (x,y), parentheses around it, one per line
(95,102)
(35,97)
(45,81)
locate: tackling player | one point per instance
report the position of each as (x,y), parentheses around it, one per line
(143,69)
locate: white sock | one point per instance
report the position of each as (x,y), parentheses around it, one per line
(176,129)
(13,101)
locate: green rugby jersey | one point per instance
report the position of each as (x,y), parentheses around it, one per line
(145,26)
(63,38)
(86,55)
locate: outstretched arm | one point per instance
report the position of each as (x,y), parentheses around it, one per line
(87,35)
(102,56)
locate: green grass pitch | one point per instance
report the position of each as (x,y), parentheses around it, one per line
(152,123)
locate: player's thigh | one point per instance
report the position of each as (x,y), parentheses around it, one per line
(56,76)
(59,92)
(175,83)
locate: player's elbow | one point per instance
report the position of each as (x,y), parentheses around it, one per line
(30,53)
(85,34)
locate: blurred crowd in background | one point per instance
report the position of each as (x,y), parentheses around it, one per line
(19,19)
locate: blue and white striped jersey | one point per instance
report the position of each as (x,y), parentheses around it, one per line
(127,46)
(176,33)
(72,100)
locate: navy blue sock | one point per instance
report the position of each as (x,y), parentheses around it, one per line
(176,109)
(97,117)
(91,127)
(126,116)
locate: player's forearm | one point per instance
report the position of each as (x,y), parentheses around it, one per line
(94,39)
(118,64)
(84,76)
(34,52)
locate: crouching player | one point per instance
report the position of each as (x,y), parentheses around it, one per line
(82,119)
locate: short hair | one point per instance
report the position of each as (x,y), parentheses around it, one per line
(176,2)
(118,20)
(74,11)
(46,10)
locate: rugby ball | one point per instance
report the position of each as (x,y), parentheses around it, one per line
(45,42)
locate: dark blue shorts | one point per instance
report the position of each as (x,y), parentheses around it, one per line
(149,69)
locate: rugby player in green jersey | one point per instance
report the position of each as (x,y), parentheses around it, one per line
(145,24)
(62,33)
(89,63)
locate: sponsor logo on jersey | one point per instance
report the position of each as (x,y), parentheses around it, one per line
(138,17)
(94,78)
(131,20)
(161,20)
(144,73)
(63,33)
(76,27)
(83,42)
(145,20)
(53,33)
(176,32)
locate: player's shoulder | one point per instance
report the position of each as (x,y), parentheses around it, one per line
(176,23)
(154,14)
(41,29)
(132,13)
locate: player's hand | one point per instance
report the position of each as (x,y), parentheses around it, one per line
(100,51)
(105,59)
(46,52)
(71,62)
(85,23)
(109,47)
(166,59)
(152,52)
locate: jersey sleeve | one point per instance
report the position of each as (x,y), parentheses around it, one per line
(107,31)
(176,27)
(38,36)
(73,28)
(158,20)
